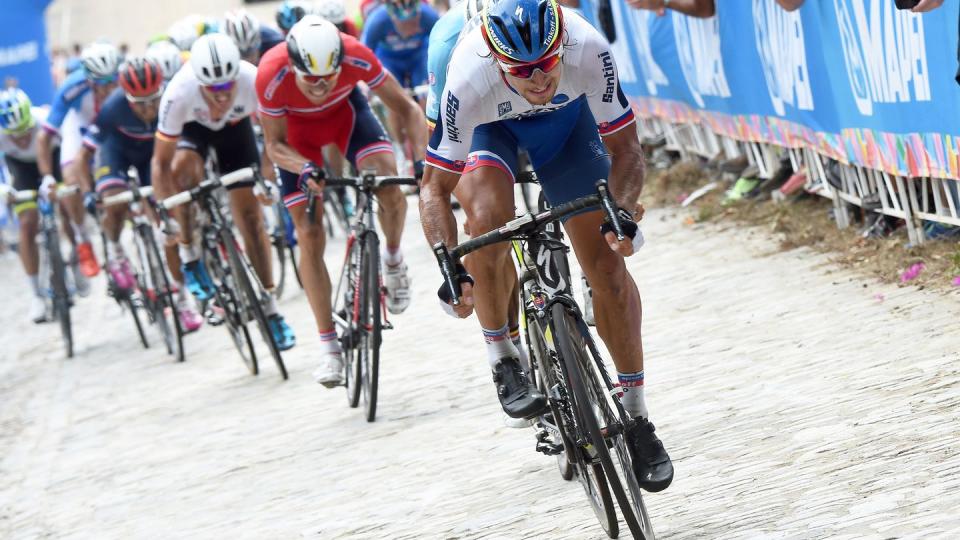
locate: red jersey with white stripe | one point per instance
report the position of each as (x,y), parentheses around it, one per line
(278,93)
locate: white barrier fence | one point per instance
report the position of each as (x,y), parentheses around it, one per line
(913,200)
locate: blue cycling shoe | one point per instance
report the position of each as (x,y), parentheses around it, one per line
(281,331)
(197,280)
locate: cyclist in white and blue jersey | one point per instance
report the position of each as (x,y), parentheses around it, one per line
(74,108)
(539,77)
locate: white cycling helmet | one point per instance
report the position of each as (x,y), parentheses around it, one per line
(167,55)
(215,59)
(243,28)
(314,46)
(100,60)
(472,8)
(185,32)
(331,10)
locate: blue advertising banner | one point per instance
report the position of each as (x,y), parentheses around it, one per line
(24,57)
(857,80)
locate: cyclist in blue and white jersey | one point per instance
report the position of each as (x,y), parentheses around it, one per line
(19,132)
(252,38)
(398,33)
(74,108)
(122,137)
(548,80)
(443,38)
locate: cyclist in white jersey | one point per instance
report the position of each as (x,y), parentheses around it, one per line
(208,106)
(548,82)
(19,132)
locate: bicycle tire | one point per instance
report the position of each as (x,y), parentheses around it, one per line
(61,296)
(162,304)
(242,270)
(540,364)
(350,278)
(584,385)
(134,308)
(370,316)
(279,241)
(233,315)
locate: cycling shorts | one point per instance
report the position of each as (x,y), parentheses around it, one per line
(113,163)
(568,162)
(410,71)
(235,146)
(352,127)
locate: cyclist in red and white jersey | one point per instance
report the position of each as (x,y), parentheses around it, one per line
(309,98)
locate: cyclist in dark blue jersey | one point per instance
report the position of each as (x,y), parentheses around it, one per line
(122,139)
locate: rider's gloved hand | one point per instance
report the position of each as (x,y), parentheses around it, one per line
(634,236)
(446,299)
(90,200)
(47,185)
(309,171)
(268,194)
(418,167)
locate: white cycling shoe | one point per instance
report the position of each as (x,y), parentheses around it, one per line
(38,310)
(330,371)
(397,282)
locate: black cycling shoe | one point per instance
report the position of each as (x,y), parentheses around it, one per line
(518,396)
(651,463)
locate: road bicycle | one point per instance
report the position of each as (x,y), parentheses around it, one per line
(154,292)
(239,297)
(585,424)
(359,305)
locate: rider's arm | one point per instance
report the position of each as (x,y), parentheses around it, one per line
(627,166)
(276,145)
(84,157)
(436,214)
(161,165)
(399,103)
(45,152)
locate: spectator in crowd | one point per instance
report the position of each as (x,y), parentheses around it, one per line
(694,8)
(790,5)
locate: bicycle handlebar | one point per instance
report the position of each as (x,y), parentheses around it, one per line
(448,259)
(127,197)
(28,195)
(239,175)
(364,182)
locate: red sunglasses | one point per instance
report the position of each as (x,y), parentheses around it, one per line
(525,71)
(222,87)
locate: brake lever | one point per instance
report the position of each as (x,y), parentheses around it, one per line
(448,269)
(609,208)
(311,207)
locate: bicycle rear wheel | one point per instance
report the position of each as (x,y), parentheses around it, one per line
(370,313)
(61,296)
(278,238)
(593,412)
(228,300)
(254,295)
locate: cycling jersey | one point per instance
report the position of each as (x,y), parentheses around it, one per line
(443,38)
(269,38)
(122,140)
(74,108)
(367,7)
(404,57)
(278,93)
(183,102)
(477,93)
(29,154)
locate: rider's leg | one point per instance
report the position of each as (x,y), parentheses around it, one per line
(29,256)
(187,173)
(313,270)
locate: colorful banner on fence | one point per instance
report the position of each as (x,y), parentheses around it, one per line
(858,80)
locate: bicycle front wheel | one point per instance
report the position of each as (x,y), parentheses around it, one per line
(61,296)
(371,297)
(159,296)
(593,412)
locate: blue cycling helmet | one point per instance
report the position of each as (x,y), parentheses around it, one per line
(522,31)
(289,13)
(15,113)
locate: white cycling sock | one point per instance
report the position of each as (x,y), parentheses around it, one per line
(34,280)
(271,307)
(521,350)
(329,342)
(499,345)
(189,253)
(114,249)
(632,400)
(392,256)
(79,233)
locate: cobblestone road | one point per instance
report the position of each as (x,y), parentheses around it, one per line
(794,403)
